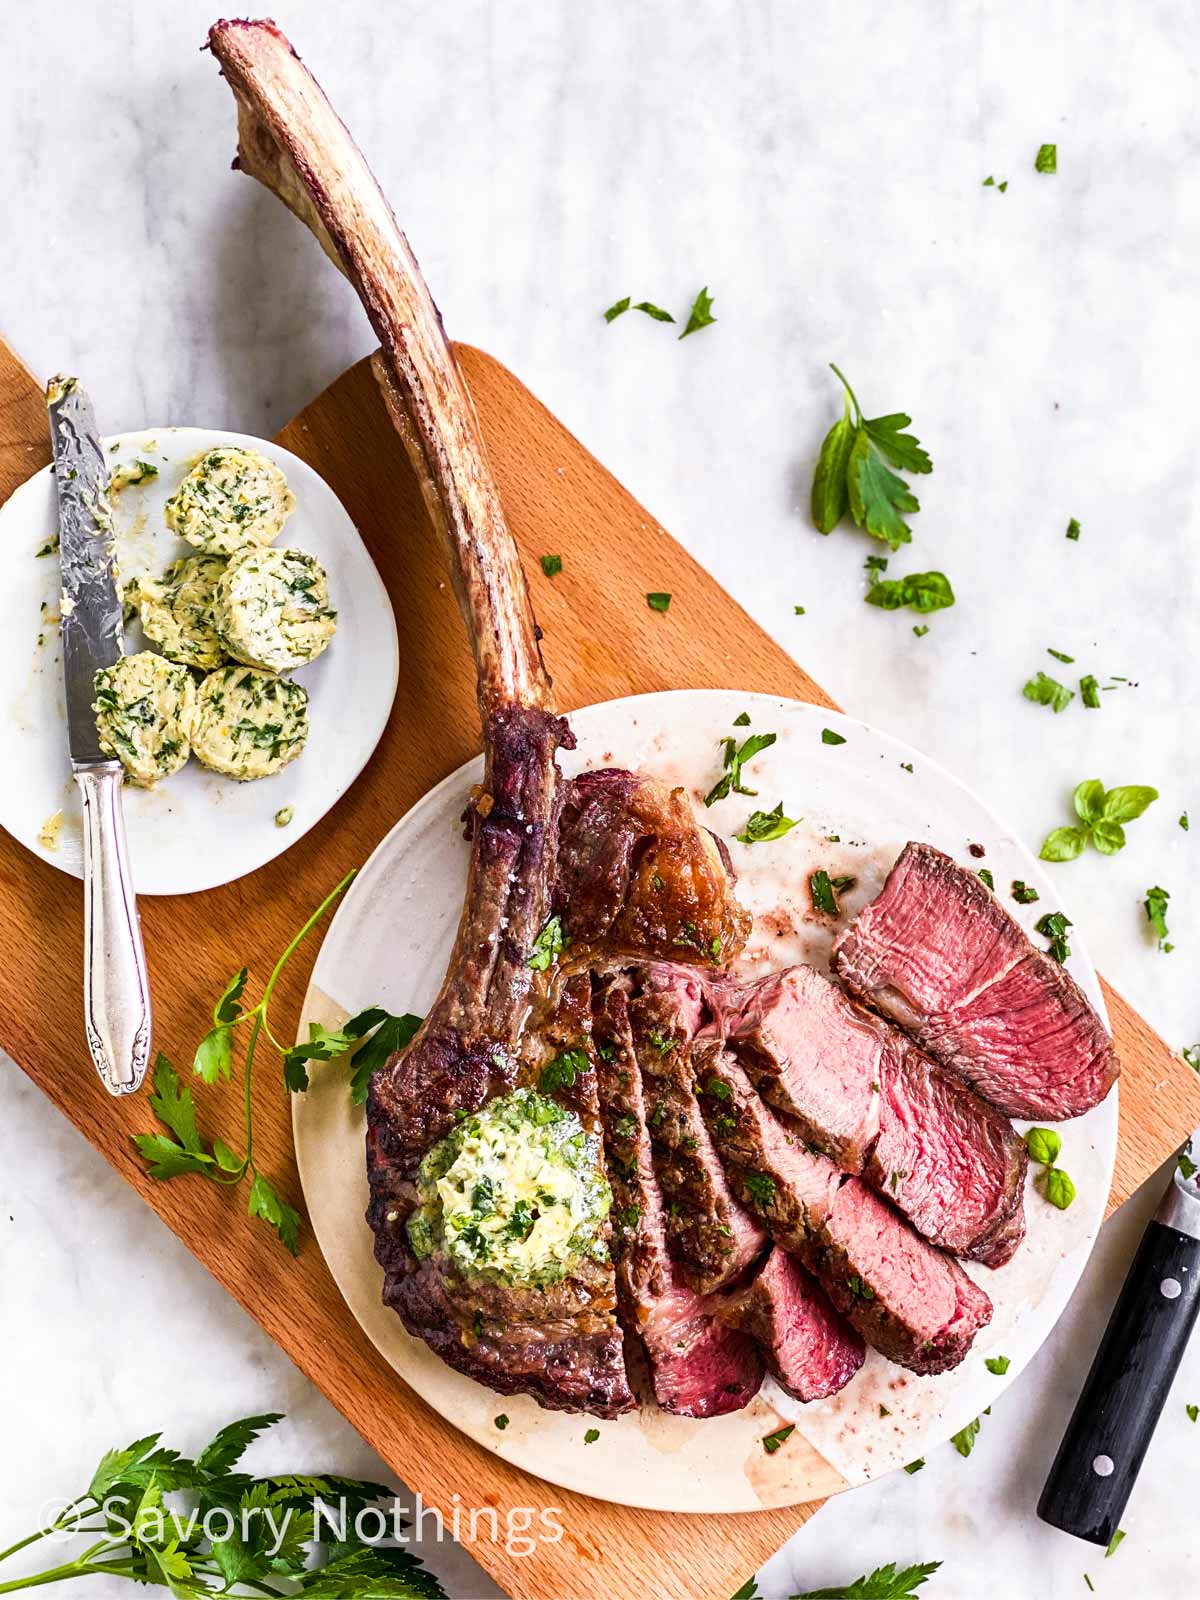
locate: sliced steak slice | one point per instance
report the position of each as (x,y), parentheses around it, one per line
(937,952)
(862,1094)
(711,1236)
(811,1351)
(914,1304)
(953,1164)
(700,1366)
(816,1056)
(909,1300)
(639,877)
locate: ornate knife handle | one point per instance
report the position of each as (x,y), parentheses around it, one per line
(116,990)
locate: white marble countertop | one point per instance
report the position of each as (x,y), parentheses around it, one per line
(820,169)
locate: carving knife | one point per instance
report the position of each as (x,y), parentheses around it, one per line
(1139,1355)
(116,991)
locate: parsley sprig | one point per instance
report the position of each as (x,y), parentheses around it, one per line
(235,1534)
(885,1583)
(368,1039)
(1102,815)
(854,472)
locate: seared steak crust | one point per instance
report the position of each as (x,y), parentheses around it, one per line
(938,953)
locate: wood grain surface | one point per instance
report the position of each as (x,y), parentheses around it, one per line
(601,641)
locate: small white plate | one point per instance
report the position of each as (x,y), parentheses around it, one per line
(197,829)
(389,944)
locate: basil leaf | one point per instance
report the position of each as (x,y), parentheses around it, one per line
(618,309)
(1127,801)
(1089,800)
(701,314)
(1047,691)
(1089,691)
(1063,844)
(1044,1146)
(654,311)
(763,826)
(1058,1188)
(821,890)
(1108,837)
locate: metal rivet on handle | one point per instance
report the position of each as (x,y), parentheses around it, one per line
(1103,1466)
(1170,1288)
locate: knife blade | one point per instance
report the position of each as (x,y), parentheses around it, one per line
(92,632)
(1122,1398)
(116,989)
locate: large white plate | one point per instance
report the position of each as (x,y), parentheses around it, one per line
(389,944)
(197,829)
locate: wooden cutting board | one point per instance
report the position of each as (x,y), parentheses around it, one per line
(601,641)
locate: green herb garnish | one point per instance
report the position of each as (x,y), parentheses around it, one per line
(760,1187)
(1073,529)
(829,737)
(1089,692)
(1114,1542)
(763,826)
(1156,914)
(1060,656)
(591,1436)
(735,757)
(1046,691)
(964,1440)
(1047,159)
(561,1070)
(551,565)
(1044,1146)
(1102,814)
(986,876)
(821,889)
(853,473)
(1023,893)
(548,946)
(772,1441)
(1057,1187)
(700,315)
(1053,926)
(617,309)
(659,602)
(998,1365)
(923,591)
(885,1583)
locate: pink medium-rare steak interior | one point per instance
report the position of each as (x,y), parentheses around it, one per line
(859,1091)
(938,953)
(810,1350)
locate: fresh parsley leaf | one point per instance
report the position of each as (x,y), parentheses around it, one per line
(1023,893)
(701,314)
(830,496)
(772,1441)
(551,565)
(265,1203)
(617,309)
(548,946)
(742,720)
(829,737)
(232,1441)
(654,311)
(1057,1187)
(175,1108)
(1046,691)
(998,1365)
(964,1440)
(391,1035)
(1053,926)
(659,602)
(1044,1146)
(228,1007)
(1089,692)
(885,1583)
(748,1591)
(853,472)
(1073,529)
(763,826)
(1047,159)
(1114,1542)
(1156,913)
(735,757)
(821,890)
(923,591)
(1059,655)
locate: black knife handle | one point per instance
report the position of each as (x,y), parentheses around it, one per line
(1118,1409)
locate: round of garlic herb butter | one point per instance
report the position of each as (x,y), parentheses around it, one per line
(231,498)
(144,710)
(515,1193)
(271,608)
(248,724)
(177,611)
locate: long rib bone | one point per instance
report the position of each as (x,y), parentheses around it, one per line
(564,1346)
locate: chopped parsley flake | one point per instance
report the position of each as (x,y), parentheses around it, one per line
(998,1365)
(552,566)
(1047,159)
(1053,926)
(772,1441)
(1089,692)
(591,1436)
(1073,529)
(1023,893)
(700,315)
(1156,914)
(763,826)
(829,737)
(1046,691)
(501,1421)
(821,889)
(617,309)
(1059,655)
(964,1440)
(659,602)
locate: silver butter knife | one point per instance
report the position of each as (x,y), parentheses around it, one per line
(116,991)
